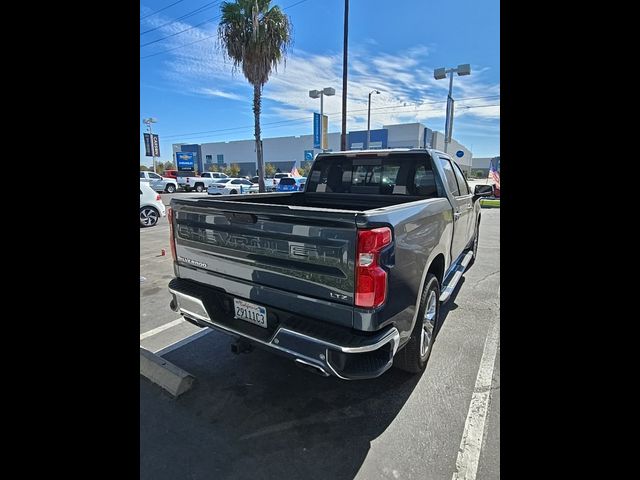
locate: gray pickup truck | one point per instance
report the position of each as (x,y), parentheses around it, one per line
(346,277)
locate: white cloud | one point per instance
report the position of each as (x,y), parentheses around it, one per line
(219,93)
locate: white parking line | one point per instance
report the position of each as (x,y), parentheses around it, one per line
(471,443)
(161,328)
(184,341)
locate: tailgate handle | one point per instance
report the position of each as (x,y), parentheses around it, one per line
(241,217)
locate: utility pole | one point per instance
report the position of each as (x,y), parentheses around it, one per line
(343,136)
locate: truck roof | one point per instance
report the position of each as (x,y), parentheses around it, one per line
(384,151)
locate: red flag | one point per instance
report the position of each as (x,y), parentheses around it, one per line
(494,171)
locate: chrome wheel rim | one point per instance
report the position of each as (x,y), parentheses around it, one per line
(148,217)
(428,323)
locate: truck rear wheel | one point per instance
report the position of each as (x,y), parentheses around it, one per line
(415,354)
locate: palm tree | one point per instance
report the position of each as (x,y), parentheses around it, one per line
(255,36)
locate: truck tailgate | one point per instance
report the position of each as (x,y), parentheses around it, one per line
(303,250)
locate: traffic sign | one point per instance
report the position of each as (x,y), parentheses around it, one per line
(459,154)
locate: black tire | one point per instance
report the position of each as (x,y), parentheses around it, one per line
(413,358)
(199,188)
(149,217)
(171,188)
(233,192)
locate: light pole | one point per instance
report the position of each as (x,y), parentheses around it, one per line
(148,122)
(345,47)
(328,91)
(369,118)
(439,74)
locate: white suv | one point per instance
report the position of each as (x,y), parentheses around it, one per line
(151,206)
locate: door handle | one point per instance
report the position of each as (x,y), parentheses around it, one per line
(469,207)
(456,215)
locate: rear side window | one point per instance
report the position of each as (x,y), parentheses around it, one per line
(393,175)
(155,176)
(287,181)
(450,176)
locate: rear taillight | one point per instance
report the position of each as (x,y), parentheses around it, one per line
(371,278)
(158,197)
(172,239)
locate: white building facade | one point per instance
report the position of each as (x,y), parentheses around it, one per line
(286,152)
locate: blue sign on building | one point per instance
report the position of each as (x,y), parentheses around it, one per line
(308,155)
(459,154)
(317,125)
(358,140)
(185,160)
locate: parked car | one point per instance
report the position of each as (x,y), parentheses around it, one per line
(279,176)
(214,175)
(171,174)
(229,186)
(189,181)
(212,188)
(347,277)
(290,184)
(269,183)
(151,206)
(158,183)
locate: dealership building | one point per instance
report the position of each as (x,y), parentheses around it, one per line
(286,152)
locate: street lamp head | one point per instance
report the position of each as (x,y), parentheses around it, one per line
(147,121)
(314,93)
(464,69)
(439,73)
(329,91)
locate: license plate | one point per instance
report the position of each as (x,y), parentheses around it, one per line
(250,312)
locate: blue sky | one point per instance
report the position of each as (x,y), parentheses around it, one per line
(393,47)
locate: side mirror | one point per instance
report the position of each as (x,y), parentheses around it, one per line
(482,191)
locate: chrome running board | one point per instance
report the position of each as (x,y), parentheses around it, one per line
(455,278)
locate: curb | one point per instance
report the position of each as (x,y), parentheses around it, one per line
(164,373)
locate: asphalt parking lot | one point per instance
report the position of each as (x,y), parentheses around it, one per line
(258,416)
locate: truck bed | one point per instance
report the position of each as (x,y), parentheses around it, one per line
(337,201)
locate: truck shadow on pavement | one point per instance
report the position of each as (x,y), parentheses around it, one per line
(258,416)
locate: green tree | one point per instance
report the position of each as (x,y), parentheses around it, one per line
(269,170)
(255,36)
(144,168)
(169,166)
(213,168)
(160,168)
(304,168)
(234,170)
